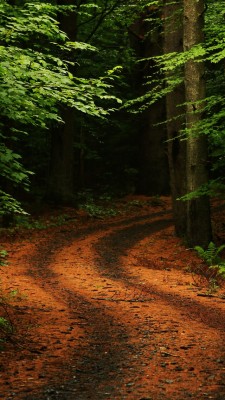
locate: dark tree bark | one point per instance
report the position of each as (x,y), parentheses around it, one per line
(61,172)
(198,210)
(61,177)
(173,42)
(154,175)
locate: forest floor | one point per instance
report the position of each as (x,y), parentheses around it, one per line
(108,308)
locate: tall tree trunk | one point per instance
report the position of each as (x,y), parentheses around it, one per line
(61,173)
(198,210)
(173,42)
(154,174)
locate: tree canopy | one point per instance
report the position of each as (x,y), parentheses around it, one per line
(36,80)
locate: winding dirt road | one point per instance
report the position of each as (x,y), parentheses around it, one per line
(108,311)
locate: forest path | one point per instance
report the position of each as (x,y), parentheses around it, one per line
(111,313)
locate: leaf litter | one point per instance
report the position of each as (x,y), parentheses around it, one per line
(110,309)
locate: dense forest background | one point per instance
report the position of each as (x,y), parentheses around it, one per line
(113,97)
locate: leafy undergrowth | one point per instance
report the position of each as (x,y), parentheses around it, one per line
(109,305)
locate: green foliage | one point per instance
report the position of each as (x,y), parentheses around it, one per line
(11,168)
(211,256)
(3,257)
(214,187)
(5,326)
(168,74)
(9,205)
(100,207)
(43,72)
(99,211)
(95,210)
(37,64)
(27,222)
(109,146)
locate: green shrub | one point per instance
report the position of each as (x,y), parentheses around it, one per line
(3,257)
(215,270)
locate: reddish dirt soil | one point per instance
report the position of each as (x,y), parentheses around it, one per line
(108,309)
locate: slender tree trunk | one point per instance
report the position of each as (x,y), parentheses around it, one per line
(61,173)
(154,171)
(198,210)
(173,42)
(82,159)
(61,176)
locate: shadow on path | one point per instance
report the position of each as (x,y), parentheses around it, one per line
(116,244)
(102,358)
